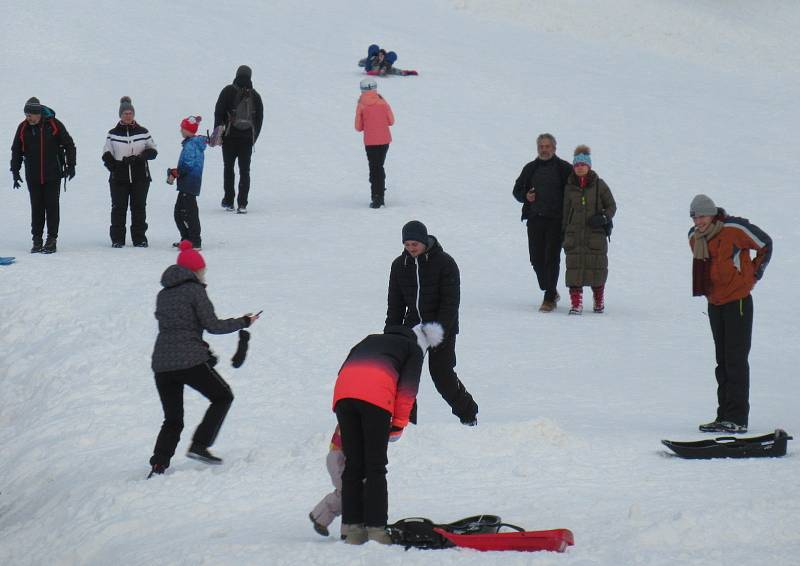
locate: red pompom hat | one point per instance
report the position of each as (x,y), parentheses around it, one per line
(191,123)
(189,257)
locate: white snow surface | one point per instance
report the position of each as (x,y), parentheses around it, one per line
(675,98)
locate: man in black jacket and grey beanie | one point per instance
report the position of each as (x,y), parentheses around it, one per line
(425,286)
(540,189)
(239,113)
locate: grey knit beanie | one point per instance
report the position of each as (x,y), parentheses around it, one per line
(125,103)
(702,206)
(33,106)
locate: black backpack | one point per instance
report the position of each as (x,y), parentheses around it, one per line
(244,112)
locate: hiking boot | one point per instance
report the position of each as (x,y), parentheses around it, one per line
(201,453)
(227,206)
(241,210)
(379,535)
(374,204)
(157,470)
(142,244)
(37,246)
(49,246)
(318,527)
(356,534)
(713,426)
(732,427)
(547,306)
(117,244)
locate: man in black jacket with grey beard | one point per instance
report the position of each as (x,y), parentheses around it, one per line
(540,189)
(425,286)
(240,111)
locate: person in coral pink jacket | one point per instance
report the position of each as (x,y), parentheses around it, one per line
(373,117)
(373,396)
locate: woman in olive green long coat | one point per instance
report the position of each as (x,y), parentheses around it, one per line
(588,207)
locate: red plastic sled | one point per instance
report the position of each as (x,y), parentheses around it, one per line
(556,540)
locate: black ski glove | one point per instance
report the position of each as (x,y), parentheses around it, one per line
(598,220)
(17,179)
(241,351)
(69,172)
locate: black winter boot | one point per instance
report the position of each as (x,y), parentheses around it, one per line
(158,469)
(201,453)
(49,246)
(37,246)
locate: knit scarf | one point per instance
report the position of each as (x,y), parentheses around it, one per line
(701,265)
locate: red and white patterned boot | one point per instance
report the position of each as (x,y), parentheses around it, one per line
(576,298)
(599,301)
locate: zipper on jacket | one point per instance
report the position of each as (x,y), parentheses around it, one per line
(419,313)
(41,153)
(130,153)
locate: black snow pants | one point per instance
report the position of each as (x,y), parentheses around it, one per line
(544,247)
(134,193)
(732,328)
(45,208)
(365,438)
(376,156)
(441,364)
(233,149)
(187,218)
(205,380)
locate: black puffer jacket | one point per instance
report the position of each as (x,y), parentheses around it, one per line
(40,147)
(183,311)
(425,289)
(549,200)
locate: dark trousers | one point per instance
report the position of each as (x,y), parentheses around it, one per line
(376,156)
(365,438)
(205,380)
(732,328)
(441,364)
(233,149)
(136,195)
(45,208)
(544,247)
(187,218)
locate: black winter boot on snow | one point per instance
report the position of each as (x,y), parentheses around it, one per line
(37,246)
(201,453)
(49,246)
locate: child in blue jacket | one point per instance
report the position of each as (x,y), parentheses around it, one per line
(189,174)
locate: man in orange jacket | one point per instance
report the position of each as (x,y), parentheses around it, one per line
(724,273)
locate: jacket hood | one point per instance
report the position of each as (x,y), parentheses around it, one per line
(433,247)
(401,331)
(176,275)
(200,141)
(370,98)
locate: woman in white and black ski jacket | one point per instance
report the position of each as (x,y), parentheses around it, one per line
(129,147)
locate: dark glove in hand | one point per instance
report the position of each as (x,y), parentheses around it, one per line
(70,172)
(598,220)
(17,180)
(212,359)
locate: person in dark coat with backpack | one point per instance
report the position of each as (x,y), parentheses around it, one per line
(47,149)
(129,147)
(373,398)
(181,357)
(425,286)
(238,116)
(540,189)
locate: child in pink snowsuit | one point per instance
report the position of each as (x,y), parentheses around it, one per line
(330,506)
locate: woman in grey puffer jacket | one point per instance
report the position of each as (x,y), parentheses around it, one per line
(181,357)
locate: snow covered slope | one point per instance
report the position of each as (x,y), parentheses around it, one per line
(674,97)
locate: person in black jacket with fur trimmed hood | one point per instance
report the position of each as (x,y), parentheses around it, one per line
(425,286)
(239,113)
(129,147)
(181,357)
(43,142)
(540,189)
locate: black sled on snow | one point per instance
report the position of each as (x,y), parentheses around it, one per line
(767,446)
(481,532)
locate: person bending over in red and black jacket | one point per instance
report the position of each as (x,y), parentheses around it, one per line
(373,396)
